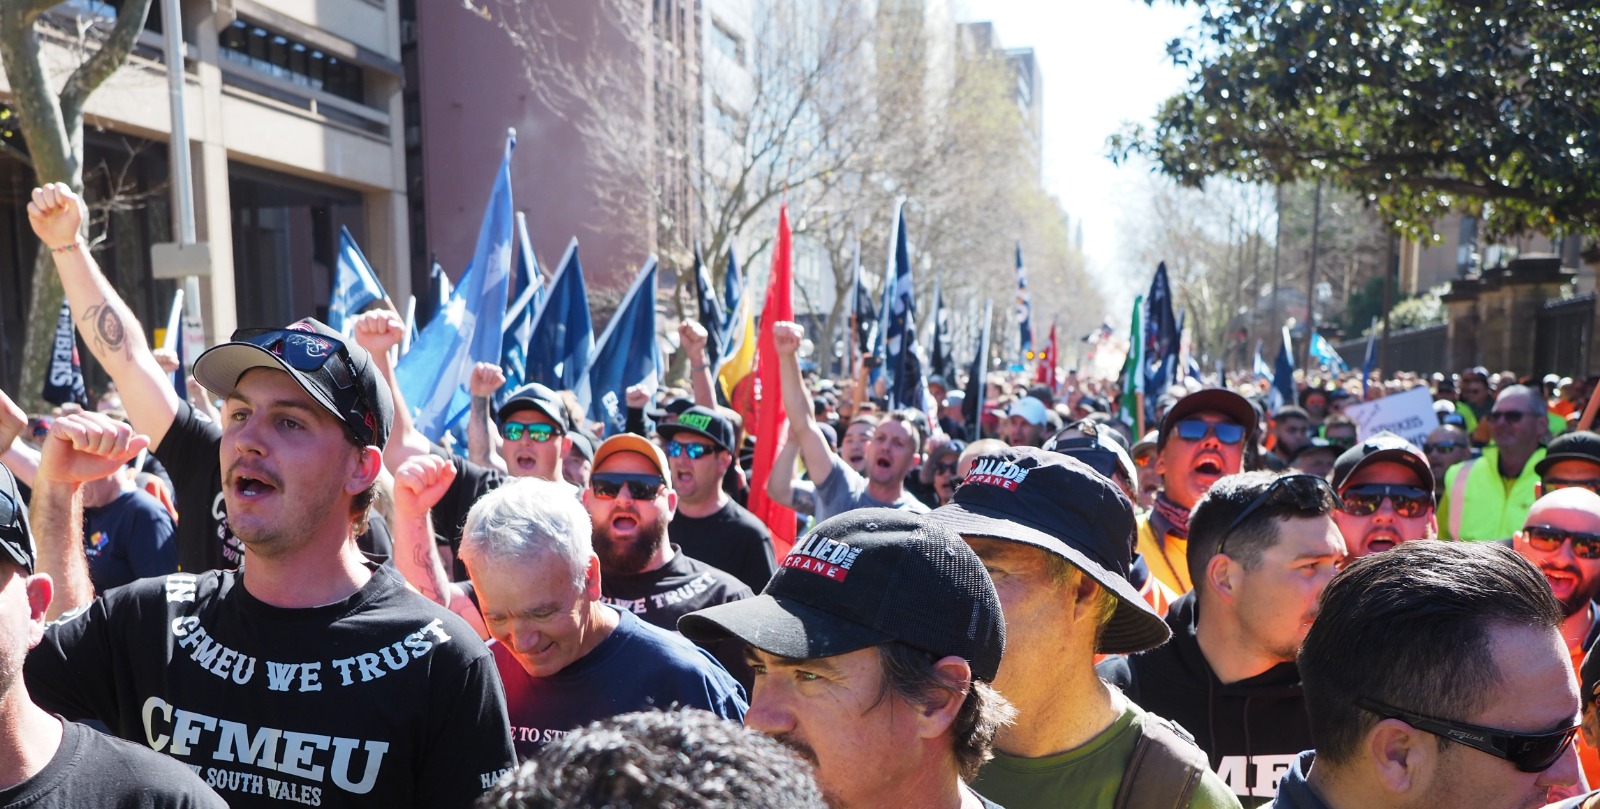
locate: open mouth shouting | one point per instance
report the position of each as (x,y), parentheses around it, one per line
(1380,539)
(251,484)
(524,464)
(1563,581)
(1208,465)
(624,523)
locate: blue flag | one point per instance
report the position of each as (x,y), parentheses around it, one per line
(711,316)
(1024,309)
(354,284)
(732,293)
(434,373)
(901,365)
(1322,351)
(866,315)
(563,335)
(529,284)
(1161,342)
(1263,371)
(939,360)
(1282,375)
(1371,357)
(626,355)
(978,377)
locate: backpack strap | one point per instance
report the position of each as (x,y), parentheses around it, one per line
(1458,496)
(1165,769)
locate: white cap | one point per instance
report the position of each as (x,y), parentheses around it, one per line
(1031,409)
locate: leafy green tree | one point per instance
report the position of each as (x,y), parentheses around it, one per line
(1422,106)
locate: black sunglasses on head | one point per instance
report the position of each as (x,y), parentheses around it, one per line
(607,485)
(1306,490)
(309,352)
(1528,752)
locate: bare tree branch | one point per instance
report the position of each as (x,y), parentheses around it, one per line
(113,52)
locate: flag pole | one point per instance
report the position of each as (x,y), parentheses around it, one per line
(1138,415)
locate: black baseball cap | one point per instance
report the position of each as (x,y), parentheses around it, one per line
(537,397)
(1578,445)
(583,443)
(1210,400)
(16,539)
(1379,448)
(1061,506)
(335,372)
(866,577)
(704,422)
(1094,445)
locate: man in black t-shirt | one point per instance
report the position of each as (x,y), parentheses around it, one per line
(51,763)
(630,504)
(181,438)
(308,676)
(709,525)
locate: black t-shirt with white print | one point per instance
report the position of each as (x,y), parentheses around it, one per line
(383,699)
(191,451)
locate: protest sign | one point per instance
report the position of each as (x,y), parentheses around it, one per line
(1409,414)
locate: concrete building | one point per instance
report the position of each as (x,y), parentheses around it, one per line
(293,111)
(608,120)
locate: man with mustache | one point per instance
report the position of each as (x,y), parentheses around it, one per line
(1263,547)
(1562,538)
(873,648)
(1386,491)
(1202,438)
(631,502)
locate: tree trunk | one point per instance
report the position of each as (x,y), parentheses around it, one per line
(52,126)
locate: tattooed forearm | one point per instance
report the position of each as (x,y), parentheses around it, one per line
(110,335)
(478,431)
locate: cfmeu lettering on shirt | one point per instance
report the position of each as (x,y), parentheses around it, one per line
(230,664)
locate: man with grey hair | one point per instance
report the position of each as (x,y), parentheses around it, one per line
(566,657)
(1488,497)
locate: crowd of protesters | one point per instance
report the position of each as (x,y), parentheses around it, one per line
(277,591)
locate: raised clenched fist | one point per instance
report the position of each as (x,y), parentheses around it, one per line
(786,336)
(56,214)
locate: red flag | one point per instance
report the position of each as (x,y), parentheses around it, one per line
(771,424)
(1046,372)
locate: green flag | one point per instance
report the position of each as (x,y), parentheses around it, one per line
(1133,368)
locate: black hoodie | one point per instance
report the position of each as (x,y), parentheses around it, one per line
(1251,730)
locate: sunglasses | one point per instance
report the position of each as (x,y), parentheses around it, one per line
(678,449)
(607,485)
(1196,430)
(1443,446)
(309,352)
(944,469)
(540,433)
(1552,484)
(1506,416)
(1528,752)
(1550,538)
(1408,501)
(1307,493)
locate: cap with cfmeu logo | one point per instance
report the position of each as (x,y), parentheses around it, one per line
(863,578)
(704,422)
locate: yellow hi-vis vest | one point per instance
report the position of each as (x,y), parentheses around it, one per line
(1478,506)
